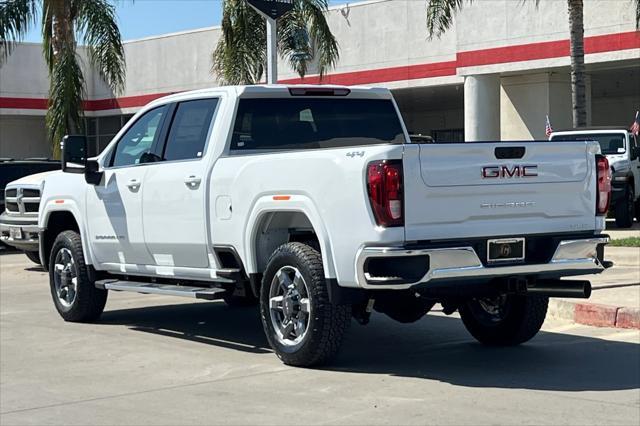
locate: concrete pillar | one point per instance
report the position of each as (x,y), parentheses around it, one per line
(525,100)
(481,107)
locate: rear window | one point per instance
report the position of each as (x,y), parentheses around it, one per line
(282,124)
(189,130)
(610,143)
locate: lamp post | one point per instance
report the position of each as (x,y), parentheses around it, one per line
(271,10)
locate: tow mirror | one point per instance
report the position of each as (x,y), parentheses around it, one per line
(74,154)
(74,159)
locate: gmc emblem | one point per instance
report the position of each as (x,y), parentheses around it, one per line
(508,172)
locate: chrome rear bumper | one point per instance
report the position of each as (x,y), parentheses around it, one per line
(571,257)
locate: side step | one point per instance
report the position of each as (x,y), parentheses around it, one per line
(207,293)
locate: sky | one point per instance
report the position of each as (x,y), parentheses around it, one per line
(144,18)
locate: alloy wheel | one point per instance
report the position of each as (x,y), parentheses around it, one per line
(289,306)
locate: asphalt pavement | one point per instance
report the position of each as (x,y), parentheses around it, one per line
(163,360)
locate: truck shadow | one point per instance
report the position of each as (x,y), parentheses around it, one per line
(435,348)
(211,323)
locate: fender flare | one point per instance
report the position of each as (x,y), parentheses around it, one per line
(294,203)
(69,206)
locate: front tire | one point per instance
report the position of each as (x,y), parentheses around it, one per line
(624,210)
(505,320)
(75,296)
(302,326)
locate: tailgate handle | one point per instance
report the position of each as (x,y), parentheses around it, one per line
(504,152)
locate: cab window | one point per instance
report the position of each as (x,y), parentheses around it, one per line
(139,139)
(189,129)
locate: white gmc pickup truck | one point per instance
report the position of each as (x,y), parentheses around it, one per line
(312,202)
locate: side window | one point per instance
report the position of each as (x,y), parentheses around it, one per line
(139,138)
(189,129)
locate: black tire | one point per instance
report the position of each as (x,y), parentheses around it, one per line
(624,210)
(241,298)
(88,303)
(520,319)
(326,323)
(33,256)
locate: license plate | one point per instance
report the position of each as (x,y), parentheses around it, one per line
(505,250)
(15,233)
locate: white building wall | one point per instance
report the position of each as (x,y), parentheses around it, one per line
(382,42)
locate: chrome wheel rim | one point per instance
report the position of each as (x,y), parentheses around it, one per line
(65,277)
(289,306)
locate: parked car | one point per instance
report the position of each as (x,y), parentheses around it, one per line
(19,214)
(622,149)
(11,170)
(312,202)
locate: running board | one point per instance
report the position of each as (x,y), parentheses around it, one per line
(208,293)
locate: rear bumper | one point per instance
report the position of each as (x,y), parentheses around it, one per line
(571,257)
(28,228)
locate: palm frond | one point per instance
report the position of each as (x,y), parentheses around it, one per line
(240,55)
(96,21)
(15,18)
(66,92)
(325,45)
(294,42)
(440,14)
(303,36)
(47,33)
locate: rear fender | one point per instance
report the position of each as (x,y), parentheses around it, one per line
(289,203)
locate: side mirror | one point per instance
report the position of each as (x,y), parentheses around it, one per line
(74,154)
(635,152)
(92,173)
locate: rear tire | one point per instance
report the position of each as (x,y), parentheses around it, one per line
(624,210)
(33,256)
(506,320)
(302,326)
(74,295)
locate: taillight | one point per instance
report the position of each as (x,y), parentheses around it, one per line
(603,174)
(384,183)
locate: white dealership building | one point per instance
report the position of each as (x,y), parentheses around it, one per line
(496,74)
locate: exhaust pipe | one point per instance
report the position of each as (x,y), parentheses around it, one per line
(577,289)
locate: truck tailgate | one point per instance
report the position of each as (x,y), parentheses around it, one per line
(470,190)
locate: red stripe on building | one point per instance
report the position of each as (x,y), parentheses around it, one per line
(407,72)
(496,55)
(519,53)
(118,103)
(23,103)
(612,42)
(547,50)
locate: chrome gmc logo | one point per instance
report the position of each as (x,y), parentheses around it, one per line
(508,172)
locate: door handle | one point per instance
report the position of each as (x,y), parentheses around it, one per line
(133,184)
(192,181)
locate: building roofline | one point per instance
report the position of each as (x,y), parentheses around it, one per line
(217,27)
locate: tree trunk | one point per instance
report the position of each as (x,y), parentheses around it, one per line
(63,37)
(578,86)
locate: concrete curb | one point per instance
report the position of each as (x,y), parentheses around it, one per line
(595,314)
(623,256)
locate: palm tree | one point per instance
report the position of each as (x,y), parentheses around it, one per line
(440,15)
(303,35)
(62,21)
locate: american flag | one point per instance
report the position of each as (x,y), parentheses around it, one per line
(635,127)
(548,129)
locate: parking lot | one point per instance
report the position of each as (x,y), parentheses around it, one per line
(163,360)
